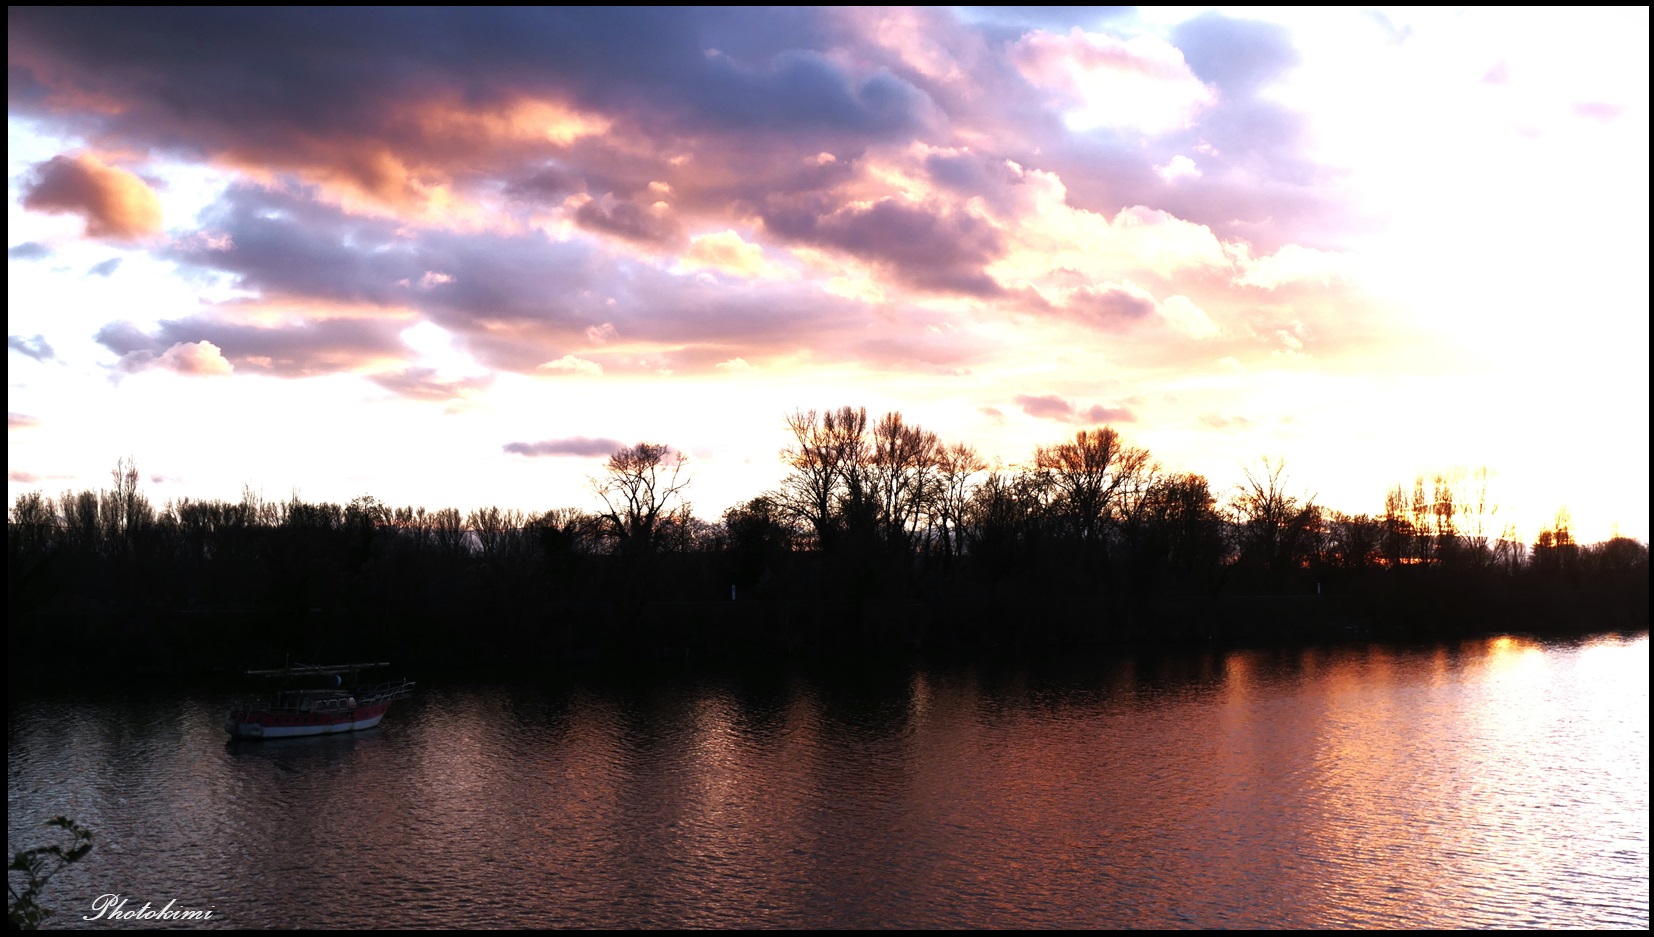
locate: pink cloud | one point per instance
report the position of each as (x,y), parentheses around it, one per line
(115,204)
(197,358)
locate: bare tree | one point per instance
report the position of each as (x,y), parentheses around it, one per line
(640,486)
(825,477)
(564,532)
(1086,476)
(958,465)
(448,530)
(1479,509)
(902,475)
(492,528)
(1396,543)
(32,524)
(1356,539)
(1277,529)
(123,509)
(1005,518)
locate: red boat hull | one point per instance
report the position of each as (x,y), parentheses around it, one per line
(267,724)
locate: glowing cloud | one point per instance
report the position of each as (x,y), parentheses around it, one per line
(569,364)
(1140,84)
(1293,264)
(196,358)
(115,203)
(726,252)
(1182,314)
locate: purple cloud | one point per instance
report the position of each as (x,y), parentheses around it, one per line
(1054,407)
(28,250)
(35,348)
(572,446)
(1045,406)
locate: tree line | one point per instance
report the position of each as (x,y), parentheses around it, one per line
(879,536)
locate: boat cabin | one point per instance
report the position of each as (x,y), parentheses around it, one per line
(308,701)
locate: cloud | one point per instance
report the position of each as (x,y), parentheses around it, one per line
(572,446)
(575,192)
(20,420)
(305,349)
(1225,423)
(1045,406)
(1237,55)
(104,268)
(1111,303)
(28,250)
(1181,313)
(115,204)
(423,384)
(572,365)
(1140,84)
(548,99)
(1178,167)
(1598,110)
(1054,407)
(931,247)
(1102,414)
(195,358)
(1294,264)
(35,348)
(734,365)
(651,224)
(726,252)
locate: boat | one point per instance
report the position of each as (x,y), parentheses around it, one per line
(334,706)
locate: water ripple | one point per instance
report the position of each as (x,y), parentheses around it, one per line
(1486,784)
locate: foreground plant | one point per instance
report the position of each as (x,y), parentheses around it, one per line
(39,865)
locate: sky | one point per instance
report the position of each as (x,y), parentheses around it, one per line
(454,257)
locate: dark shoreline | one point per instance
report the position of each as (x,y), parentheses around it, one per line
(75,652)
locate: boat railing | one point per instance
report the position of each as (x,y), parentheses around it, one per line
(295,670)
(385,693)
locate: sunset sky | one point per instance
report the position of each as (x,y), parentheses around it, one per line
(453,257)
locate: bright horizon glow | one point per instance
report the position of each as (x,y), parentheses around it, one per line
(1374,244)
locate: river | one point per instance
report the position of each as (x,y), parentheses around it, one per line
(1490,783)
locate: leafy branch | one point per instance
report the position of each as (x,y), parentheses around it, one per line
(39,865)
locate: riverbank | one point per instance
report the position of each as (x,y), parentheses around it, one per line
(213,645)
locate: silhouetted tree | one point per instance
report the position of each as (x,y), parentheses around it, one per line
(825,484)
(641,484)
(1276,529)
(448,532)
(760,535)
(1618,555)
(902,474)
(1554,550)
(1005,522)
(957,468)
(1085,476)
(1355,540)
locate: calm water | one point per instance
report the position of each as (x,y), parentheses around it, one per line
(1491,783)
